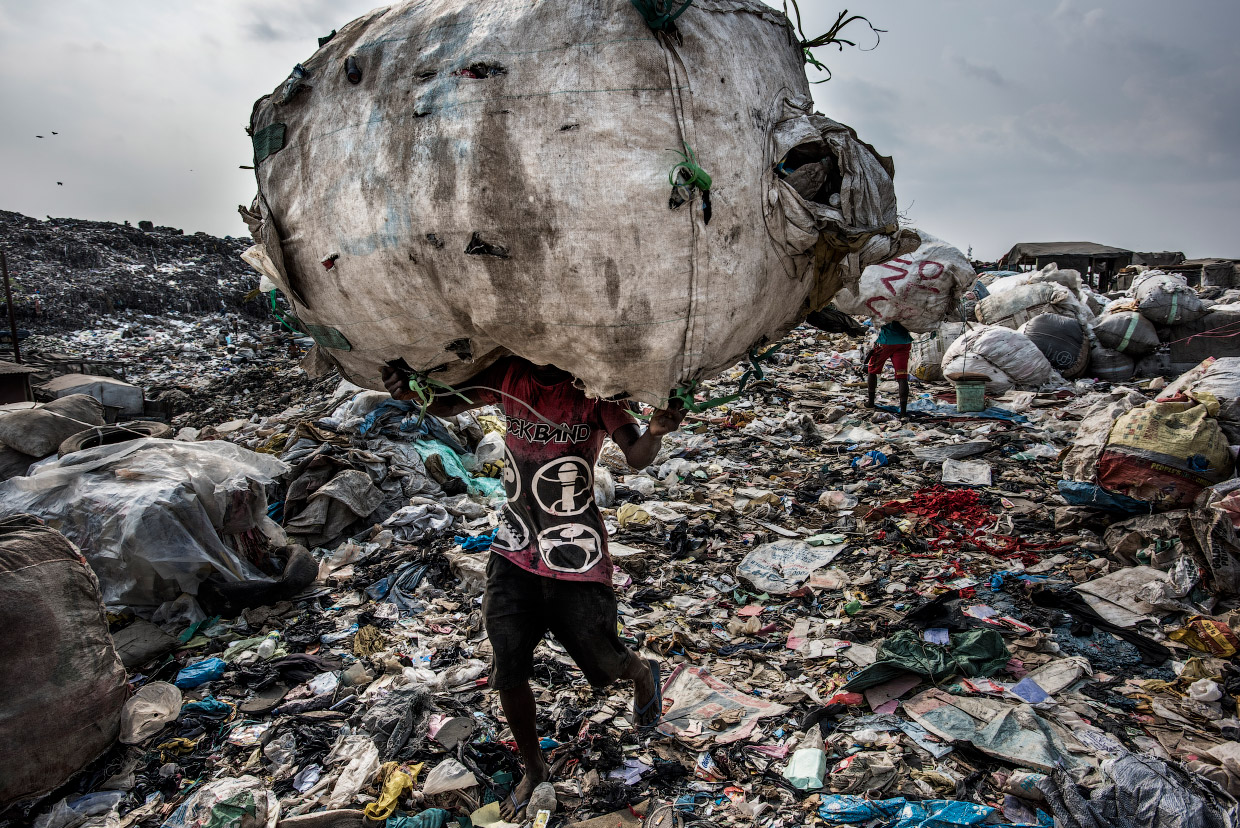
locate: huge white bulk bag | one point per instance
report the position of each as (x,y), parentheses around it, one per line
(447,181)
(1007,357)
(919,290)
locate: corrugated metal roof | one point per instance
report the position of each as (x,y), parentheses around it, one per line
(14,368)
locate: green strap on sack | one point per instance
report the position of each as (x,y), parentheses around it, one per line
(1132,328)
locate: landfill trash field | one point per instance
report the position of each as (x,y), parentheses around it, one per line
(279,551)
(867,632)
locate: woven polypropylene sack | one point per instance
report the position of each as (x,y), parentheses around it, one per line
(1062,340)
(1167,300)
(919,289)
(1109,365)
(498,180)
(1017,360)
(60,678)
(1127,332)
(926,355)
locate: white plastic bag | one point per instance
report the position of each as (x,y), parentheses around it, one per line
(448,775)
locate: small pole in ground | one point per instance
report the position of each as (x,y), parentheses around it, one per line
(8,298)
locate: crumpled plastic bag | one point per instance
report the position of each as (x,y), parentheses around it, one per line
(235,802)
(360,758)
(422,516)
(448,775)
(153,706)
(179,498)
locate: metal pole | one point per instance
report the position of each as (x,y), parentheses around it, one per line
(8,298)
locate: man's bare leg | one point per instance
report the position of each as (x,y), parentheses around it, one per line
(903,396)
(871,389)
(638,672)
(522,714)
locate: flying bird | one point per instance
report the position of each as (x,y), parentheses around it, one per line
(60,183)
(38,136)
(54,132)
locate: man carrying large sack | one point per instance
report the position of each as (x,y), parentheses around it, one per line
(549,569)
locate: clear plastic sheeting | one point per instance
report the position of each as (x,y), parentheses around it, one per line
(154,518)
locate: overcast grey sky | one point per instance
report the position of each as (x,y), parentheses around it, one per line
(1115,121)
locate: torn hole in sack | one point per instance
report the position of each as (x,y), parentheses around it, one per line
(478,247)
(481,71)
(812,170)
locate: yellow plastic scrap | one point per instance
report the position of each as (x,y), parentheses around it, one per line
(367,641)
(632,513)
(491,422)
(397,782)
(1208,636)
(274,444)
(178,746)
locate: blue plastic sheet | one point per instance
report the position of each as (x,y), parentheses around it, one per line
(476,543)
(208,706)
(410,413)
(1096,497)
(430,818)
(925,405)
(209,669)
(840,809)
(489,487)
(871,459)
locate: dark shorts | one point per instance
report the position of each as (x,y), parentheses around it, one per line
(898,354)
(521,607)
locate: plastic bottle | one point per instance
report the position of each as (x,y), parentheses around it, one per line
(268,646)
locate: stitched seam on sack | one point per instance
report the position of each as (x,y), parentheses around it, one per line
(373,121)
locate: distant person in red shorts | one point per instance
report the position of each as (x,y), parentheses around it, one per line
(894,343)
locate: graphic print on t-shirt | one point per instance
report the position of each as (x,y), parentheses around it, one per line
(551,525)
(564,487)
(570,547)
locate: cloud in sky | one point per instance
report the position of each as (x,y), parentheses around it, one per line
(1108,120)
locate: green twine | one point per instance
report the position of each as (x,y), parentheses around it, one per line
(278,315)
(657,13)
(687,172)
(752,374)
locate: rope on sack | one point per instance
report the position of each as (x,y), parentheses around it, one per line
(688,173)
(276,312)
(426,389)
(658,14)
(753,373)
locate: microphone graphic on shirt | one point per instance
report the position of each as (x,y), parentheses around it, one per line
(568,476)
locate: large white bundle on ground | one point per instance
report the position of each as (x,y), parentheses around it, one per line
(926,355)
(1007,357)
(918,290)
(497,179)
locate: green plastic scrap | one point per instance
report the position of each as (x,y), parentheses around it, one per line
(268,141)
(972,653)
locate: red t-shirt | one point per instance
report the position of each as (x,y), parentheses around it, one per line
(551,525)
